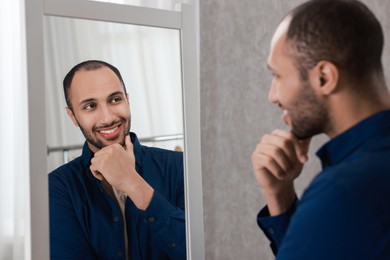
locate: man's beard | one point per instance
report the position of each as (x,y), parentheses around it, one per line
(309,115)
(99,143)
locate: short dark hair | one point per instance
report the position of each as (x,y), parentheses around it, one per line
(87,65)
(344,32)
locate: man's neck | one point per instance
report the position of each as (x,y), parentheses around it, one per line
(349,107)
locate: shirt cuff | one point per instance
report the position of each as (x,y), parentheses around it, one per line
(275,227)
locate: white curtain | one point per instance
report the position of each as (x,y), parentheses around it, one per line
(13,131)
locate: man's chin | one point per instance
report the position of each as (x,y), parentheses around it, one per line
(298,134)
(118,140)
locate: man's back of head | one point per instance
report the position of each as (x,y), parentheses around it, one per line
(344,32)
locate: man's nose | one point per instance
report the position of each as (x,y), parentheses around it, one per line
(105,115)
(272,94)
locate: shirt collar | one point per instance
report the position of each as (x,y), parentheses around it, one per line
(137,152)
(344,144)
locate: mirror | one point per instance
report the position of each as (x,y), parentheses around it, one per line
(37,13)
(149,61)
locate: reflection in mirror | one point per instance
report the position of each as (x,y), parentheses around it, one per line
(149,62)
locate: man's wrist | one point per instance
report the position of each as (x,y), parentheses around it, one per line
(139,191)
(279,202)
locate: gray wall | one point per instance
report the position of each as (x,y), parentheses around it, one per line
(235,113)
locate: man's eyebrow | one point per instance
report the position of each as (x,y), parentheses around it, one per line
(116,93)
(94,99)
(86,101)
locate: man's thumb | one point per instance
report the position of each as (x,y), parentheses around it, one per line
(128,144)
(303,149)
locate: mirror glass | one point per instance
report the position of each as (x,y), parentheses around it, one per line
(149,61)
(159,4)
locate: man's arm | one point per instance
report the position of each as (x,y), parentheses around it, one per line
(275,228)
(277,161)
(331,222)
(167,222)
(116,164)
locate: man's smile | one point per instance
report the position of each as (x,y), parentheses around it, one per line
(110,132)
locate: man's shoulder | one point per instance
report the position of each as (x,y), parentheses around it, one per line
(366,176)
(68,170)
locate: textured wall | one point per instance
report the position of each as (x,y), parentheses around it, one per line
(235,113)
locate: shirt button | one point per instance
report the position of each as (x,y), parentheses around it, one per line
(120,253)
(173,244)
(151,219)
(116,219)
(271,231)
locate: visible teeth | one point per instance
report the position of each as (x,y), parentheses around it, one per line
(109,131)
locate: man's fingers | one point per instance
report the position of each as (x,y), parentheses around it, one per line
(284,146)
(276,157)
(301,147)
(96,173)
(263,162)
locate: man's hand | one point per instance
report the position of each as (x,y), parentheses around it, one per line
(116,164)
(277,161)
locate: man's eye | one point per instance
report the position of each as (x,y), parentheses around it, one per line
(89,106)
(116,100)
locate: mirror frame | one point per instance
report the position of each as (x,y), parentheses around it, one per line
(37,229)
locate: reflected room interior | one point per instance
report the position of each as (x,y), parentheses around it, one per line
(150,63)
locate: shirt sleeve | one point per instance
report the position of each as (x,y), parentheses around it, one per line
(168,223)
(67,239)
(165,214)
(275,227)
(327,224)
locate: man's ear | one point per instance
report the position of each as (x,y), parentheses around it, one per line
(325,77)
(71,115)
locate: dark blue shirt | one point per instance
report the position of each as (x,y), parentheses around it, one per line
(87,223)
(345,212)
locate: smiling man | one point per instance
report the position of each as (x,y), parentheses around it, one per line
(119,199)
(328,78)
